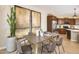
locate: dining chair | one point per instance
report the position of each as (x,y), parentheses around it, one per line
(48,45)
(59,42)
(44,48)
(50,48)
(23,46)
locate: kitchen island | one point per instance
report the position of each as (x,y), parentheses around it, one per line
(74,34)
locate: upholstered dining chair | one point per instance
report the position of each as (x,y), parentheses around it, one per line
(48,45)
(23,46)
(59,42)
(44,48)
(50,48)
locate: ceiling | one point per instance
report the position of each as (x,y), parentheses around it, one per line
(61,10)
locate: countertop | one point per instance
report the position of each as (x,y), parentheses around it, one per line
(74,30)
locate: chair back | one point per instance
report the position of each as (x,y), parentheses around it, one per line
(59,41)
(21,42)
(52,47)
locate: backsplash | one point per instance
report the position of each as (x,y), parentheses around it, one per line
(63,26)
(76,26)
(69,26)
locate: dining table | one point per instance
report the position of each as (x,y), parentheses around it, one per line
(36,42)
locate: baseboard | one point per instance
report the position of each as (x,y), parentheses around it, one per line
(2,48)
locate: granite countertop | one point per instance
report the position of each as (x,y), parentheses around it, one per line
(74,30)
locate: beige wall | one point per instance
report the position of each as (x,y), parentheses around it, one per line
(4,28)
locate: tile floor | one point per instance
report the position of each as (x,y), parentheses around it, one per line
(69,46)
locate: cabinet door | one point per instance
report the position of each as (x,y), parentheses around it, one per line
(49,22)
(49,25)
(62,31)
(61,20)
(72,22)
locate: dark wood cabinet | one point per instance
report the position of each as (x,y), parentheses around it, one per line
(60,21)
(62,31)
(68,34)
(63,21)
(49,25)
(70,21)
(49,22)
(50,18)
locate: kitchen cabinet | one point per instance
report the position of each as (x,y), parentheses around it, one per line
(50,18)
(74,35)
(68,34)
(65,21)
(60,21)
(70,21)
(62,31)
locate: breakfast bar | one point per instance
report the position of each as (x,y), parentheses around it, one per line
(74,34)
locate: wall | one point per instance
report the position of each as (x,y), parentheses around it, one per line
(4,28)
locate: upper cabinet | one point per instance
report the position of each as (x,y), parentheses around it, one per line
(60,21)
(70,21)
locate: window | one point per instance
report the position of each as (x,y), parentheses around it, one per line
(35,21)
(27,21)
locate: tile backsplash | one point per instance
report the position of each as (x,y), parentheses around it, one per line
(62,26)
(69,26)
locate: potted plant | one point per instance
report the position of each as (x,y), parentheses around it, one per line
(11,41)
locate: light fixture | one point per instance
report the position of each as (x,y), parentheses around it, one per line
(75,15)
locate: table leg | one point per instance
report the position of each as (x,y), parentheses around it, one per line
(35,48)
